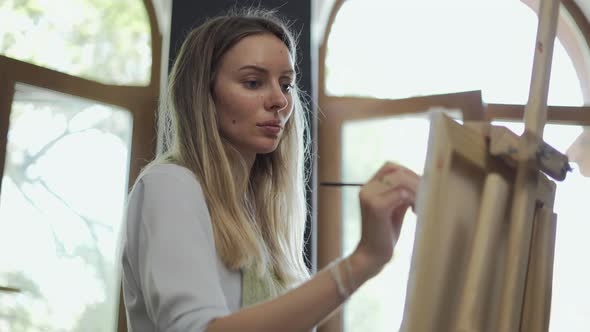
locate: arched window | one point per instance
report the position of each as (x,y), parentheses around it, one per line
(79,82)
(384,63)
(426,47)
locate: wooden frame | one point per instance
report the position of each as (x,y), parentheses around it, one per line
(335,111)
(140,101)
(459,256)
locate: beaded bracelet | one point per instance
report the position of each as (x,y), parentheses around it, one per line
(335,272)
(349,273)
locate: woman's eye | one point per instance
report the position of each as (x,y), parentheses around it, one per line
(251,84)
(287,87)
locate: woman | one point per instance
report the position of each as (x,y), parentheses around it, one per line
(214,233)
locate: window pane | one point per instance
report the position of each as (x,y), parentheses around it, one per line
(106,40)
(410,48)
(61,208)
(378,305)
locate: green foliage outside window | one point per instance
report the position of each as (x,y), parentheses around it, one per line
(104,40)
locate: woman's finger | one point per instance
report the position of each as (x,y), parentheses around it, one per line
(394,181)
(392,200)
(397,197)
(397,218)
(387,168)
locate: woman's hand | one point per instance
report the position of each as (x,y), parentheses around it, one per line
(384,201)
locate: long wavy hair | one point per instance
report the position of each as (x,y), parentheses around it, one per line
(258,223)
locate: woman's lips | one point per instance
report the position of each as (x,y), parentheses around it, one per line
(270,129)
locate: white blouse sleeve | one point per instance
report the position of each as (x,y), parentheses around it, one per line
(170,233)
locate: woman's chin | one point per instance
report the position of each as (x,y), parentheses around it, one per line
(266,148)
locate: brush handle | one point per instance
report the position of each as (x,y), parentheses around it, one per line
(341,184)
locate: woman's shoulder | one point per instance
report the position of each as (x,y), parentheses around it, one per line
(168,178)
(167,170)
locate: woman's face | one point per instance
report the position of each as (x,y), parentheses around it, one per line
(252,93)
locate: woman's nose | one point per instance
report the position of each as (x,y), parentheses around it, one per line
(276,101)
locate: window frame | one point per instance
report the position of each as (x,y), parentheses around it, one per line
(140,101)
(335,111)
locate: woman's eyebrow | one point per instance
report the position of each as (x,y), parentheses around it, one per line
(253,67)
(264,70)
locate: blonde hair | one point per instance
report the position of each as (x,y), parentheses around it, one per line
(263,229)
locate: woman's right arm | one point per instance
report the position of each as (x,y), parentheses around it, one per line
(384,201)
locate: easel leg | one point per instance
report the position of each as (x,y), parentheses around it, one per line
(537,302)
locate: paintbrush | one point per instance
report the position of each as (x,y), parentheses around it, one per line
(341,184)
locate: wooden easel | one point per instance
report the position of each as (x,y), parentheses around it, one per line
(485,234)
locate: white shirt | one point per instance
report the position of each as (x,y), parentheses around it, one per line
(173,278)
